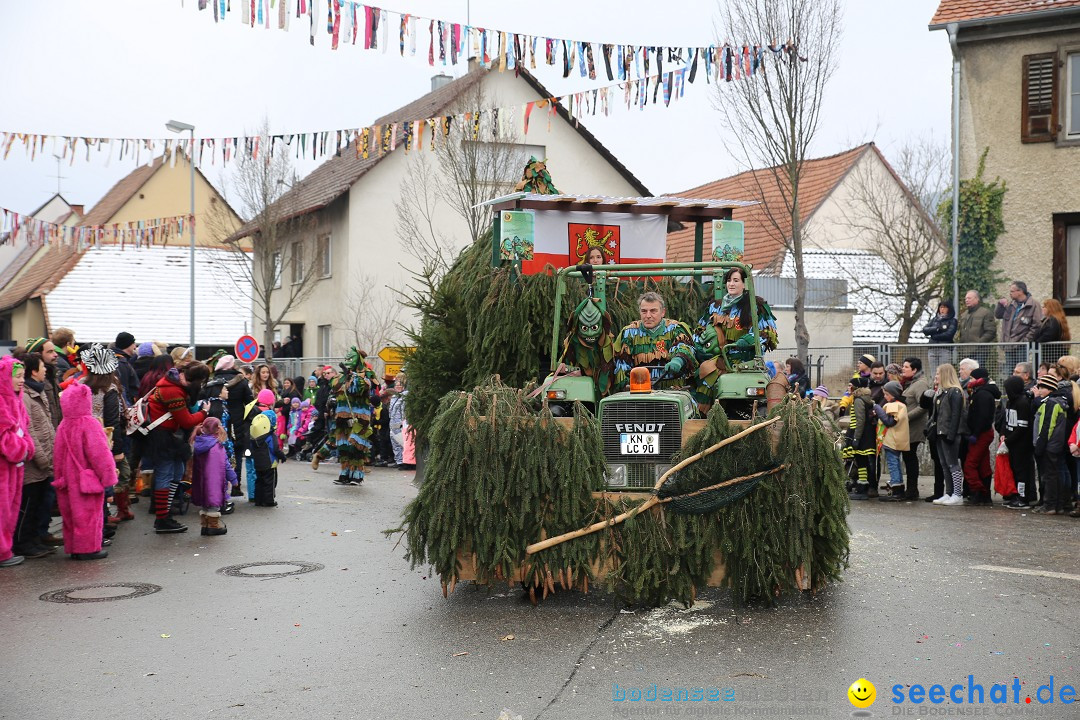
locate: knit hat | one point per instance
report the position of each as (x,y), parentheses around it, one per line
(35,344)
(893,369)
(145,349)
(225,363)
(124,340)
(295,402)
(980,373)
(894,388)
(867,360)
(210,426)
(266,397)
(305,403)
(99,359)
(1047,382)
(860,381)
(821,391)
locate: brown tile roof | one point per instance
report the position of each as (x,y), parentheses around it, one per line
(764,241)
(334,177)
(966,10)
(120,193)
(41,277)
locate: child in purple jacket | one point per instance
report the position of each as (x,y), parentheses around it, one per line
(211,475)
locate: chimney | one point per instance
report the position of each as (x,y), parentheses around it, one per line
(439,81)
(78,210)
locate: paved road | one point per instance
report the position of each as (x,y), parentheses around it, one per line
(932,595)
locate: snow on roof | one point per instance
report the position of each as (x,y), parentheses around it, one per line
(869,278)
(145,292)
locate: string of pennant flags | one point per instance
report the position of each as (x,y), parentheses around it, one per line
(136,233)
(657,89)
(448,42)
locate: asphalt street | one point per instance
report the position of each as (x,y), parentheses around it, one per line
(932,596)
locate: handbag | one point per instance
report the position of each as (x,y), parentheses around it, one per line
(1004,481)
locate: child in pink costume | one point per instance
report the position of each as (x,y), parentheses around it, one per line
(84,468)
(16,448)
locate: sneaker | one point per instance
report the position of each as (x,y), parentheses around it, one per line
(12,561)
(1017,505)
(344,482)
(952,500)
(168,525)
(229,508)
(893,497)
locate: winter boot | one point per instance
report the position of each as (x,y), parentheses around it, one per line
(214,526)
(123,505)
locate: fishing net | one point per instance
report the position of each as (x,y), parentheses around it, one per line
(679,499)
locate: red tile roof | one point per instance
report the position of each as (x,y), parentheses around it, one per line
(120,193)
(48,269)
(765,226)
(966,10)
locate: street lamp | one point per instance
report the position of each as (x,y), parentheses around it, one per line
(179,127)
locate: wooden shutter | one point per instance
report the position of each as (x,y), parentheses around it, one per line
(1040,98)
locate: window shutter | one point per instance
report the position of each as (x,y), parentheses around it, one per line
(1039,98)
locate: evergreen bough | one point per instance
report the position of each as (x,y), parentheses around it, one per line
(503,473)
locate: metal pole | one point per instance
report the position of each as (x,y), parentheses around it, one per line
(191,229)
(952,29)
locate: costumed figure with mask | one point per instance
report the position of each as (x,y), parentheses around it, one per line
(664,346)
(590,343)
(351,427)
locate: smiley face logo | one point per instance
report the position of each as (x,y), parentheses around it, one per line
(862,693)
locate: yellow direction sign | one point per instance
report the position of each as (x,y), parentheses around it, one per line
(394,357)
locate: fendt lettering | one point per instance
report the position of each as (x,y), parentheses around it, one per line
(639,427)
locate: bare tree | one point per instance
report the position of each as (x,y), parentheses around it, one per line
(371,315)
(286,252)
(773,116)
(475,159)
(889,213)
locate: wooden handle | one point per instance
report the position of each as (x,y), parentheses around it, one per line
(552,541)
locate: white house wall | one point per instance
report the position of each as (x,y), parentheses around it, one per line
(365,241)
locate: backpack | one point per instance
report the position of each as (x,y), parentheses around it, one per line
(137,416)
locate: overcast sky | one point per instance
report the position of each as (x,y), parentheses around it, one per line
(122,68)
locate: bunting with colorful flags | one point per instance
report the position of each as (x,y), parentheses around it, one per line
(661,89)
(19,228)
(450,43)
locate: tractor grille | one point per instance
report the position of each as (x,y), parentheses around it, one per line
(641,469)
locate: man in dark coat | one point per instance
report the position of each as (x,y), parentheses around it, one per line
(981,408)
(124,349)
(976,325)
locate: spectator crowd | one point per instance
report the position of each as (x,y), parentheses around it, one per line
(86,432)
(1021,440)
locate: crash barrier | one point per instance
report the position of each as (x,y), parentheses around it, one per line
(834,366)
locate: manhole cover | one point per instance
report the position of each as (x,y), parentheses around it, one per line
(100,593)
(300,565)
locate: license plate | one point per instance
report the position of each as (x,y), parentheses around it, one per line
(639,443)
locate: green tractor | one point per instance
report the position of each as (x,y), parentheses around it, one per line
(643,427)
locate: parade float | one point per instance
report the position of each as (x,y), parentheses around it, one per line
(542,470)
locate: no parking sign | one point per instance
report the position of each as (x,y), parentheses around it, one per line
(247,349)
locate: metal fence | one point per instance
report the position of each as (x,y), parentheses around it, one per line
(834,366)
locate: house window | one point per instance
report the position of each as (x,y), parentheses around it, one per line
(1038,116)
(324,341)
(1066,272)
(1072,97)
(297,263)
(323,250)
(277,270)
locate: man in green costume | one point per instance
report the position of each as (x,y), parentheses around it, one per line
(665,347)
